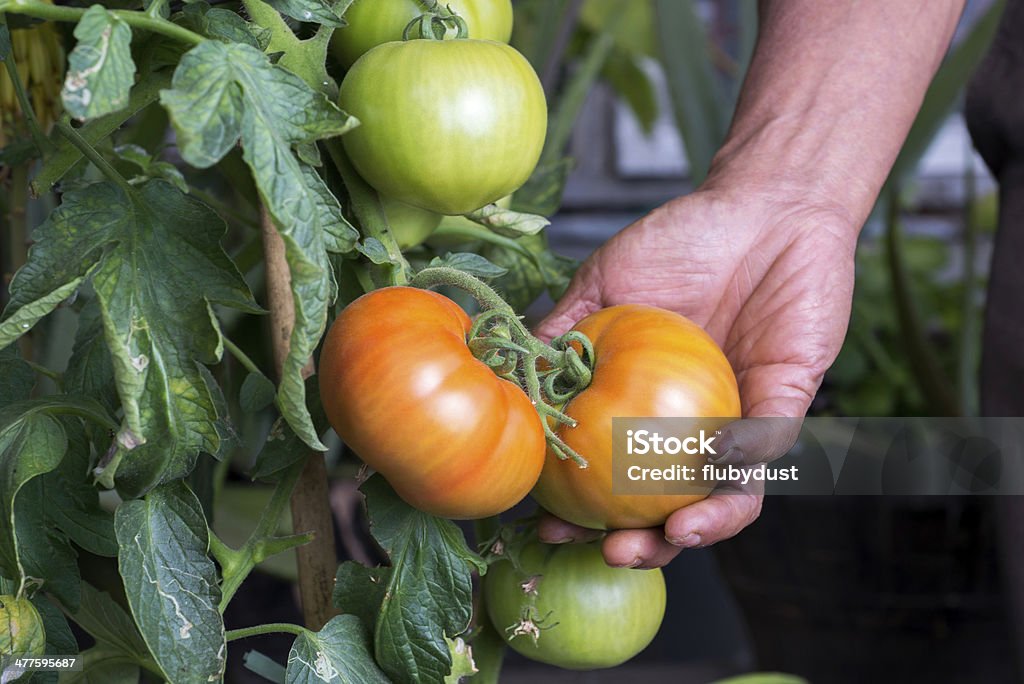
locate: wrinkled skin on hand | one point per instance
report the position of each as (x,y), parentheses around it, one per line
(772,282)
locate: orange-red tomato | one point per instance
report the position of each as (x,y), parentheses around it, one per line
(648,363)
(402,389)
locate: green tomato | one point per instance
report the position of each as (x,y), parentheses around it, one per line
(372,22)
(447,126)
(410,225)
(587,615)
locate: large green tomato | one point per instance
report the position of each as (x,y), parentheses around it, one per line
(410,225)
(447,126)
(372,22)
(568,608)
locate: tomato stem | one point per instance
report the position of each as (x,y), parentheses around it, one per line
(499,339)
(436,23)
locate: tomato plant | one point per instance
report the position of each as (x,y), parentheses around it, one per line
(401,387)
(647,362)
(372,22)
(564,606)
(447,126)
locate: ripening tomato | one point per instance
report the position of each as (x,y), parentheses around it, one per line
(372,22)
(410,225)
(401,388)
(648,363)
(445,125)
(590,615)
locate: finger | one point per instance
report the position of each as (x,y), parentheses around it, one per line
(646,548)
(554,530)
(580,300)
(756,440)
(720,516)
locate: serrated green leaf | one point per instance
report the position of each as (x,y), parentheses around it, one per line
(100,68)
(45,554)
(150,166)
(90,370)
(283,446)
(221,24)
(171,583)
(107,622)
(529,276)
(32,443)
(16,377)
(73,501)
(157,265)
(508,222)
(359,591)
(223,93)
(470,263)
(340,652)
(257,392)
(316,11)
(21,628)
(374,250)
(429,591)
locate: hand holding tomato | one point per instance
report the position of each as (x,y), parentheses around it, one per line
(771,281)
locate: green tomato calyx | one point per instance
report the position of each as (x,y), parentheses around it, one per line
(438,22)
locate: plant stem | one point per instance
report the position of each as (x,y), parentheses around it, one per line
(58,378)
(236,565)
(241,356)
(311,510)
(73,137)
(368,210)
(141,20)
(270,628)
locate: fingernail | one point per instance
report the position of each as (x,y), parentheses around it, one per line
(690,541)
(635,563)
(732,456)
(560,540)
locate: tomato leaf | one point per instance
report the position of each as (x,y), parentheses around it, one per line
(32,443)
(108,623)
(150,166)
(100,68)
(171,583)
(507,222)
(225,93)
(359,591)
(374,250)
(43,550)
(72,500)
(283,446)
(340,652)
(429,591)
(90,370)
(101,665)
(158,321)
(316,11)
(59,639)
(16,377)
(470,263)
(542,192)
(462,661)
(23,628)
(256,393)
(223,25)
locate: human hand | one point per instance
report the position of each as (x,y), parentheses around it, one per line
(771,280)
